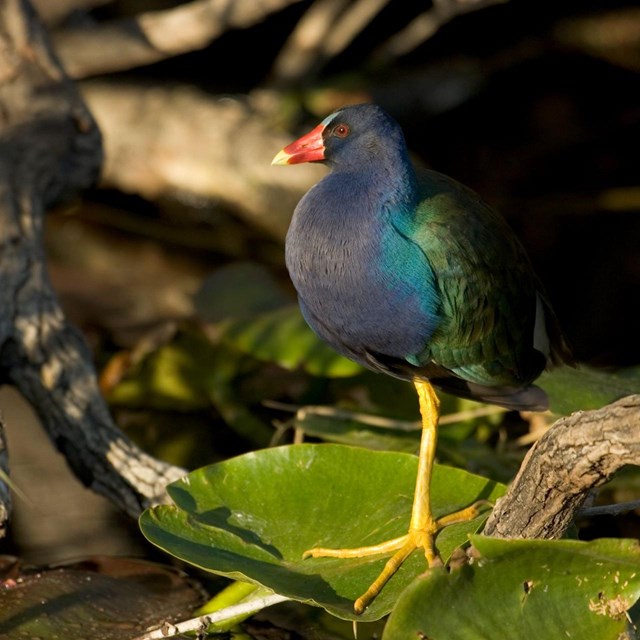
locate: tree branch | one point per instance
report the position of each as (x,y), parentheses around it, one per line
(156,35)
(51,147)
(221,152)
(53,12)
(5,489)
(578,454)
(427,24)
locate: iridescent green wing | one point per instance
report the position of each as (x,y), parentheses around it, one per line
(487,288)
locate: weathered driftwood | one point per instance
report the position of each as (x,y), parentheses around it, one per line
(578,454)
(50,147)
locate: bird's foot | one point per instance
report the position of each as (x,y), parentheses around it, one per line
(417,538)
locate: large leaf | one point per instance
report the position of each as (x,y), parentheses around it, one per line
(192,373)
(252,517)
(101,598)
(282,336)
(176,375)
(582,388)
(534,589)
(464,437)
(240,289)
(358,429)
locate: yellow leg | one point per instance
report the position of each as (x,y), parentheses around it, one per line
(423,528)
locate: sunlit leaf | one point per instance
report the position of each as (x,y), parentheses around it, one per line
(250,518)
(534,589)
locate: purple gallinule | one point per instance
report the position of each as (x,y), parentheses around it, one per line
(410,273)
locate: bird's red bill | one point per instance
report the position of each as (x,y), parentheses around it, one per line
(308,148)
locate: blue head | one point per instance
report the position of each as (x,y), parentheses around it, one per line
(350,137)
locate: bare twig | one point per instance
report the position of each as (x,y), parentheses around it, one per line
(201,623)
(156,35)
(609,509)
(579,453)
(429,23)
(303,412)
(50,147)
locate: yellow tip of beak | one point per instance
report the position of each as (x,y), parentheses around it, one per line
(281,158)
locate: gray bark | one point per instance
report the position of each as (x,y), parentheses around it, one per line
(50,147)
(578,454)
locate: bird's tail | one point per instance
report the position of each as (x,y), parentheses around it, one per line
(529,398)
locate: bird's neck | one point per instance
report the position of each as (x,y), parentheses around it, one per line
(377,192)
(352,222)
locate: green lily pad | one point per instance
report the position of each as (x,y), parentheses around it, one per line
(534,589)
(252,517)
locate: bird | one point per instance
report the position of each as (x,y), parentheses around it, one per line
(409,273)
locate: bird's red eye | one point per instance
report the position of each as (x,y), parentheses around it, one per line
(342,131)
